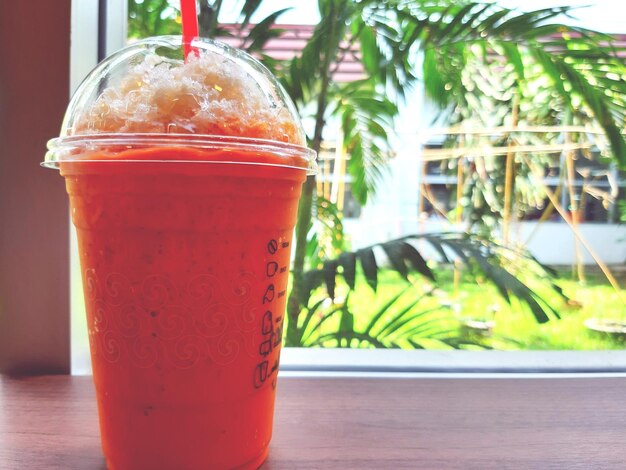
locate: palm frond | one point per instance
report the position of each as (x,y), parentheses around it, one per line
(366,115)
(579,61)
(401,322)
(480,257)
(262,32)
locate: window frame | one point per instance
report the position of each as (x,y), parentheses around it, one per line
(98,28)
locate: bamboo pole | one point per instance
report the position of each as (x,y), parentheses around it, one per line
(433,155)
(460,176)
(326,185)
(545,215)
(460,130)
(341,190)
(433,202)
(458,219)
(559,208)
(571,176)
(509,178)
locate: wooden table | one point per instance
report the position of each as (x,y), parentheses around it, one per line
(365,423)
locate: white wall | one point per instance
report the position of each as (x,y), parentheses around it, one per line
(554,242)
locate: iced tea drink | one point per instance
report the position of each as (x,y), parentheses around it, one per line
(185,241)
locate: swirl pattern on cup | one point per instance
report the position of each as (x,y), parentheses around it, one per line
(239,292)
(225,350)
(188,351)
(213,321)
(154,321)
(117,289)
(127,319)
(111,346)
(156,291)
(100,320)
(91,285)
(169,321)
(201,290)
(144,352)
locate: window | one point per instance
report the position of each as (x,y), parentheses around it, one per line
(435,195)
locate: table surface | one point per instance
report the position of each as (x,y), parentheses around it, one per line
(50,422)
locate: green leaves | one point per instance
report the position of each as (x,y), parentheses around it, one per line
(307,76)
(325,238)
(370,54)
(434,81)
(151,18)
(507,270)
(347,261)
(369,266)
(263,32)
(248,9)
(386,47)
(487,62)
(579,62)
(159,17)
(587,67)
(604,111)
(365,115)
(512,53)
(401,322)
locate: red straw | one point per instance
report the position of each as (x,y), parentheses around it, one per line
(190,24)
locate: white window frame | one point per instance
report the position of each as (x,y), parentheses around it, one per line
(89,17)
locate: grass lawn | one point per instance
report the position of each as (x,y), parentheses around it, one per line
(515,327)
(594,299)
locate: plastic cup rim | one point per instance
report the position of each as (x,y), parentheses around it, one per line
(56,147)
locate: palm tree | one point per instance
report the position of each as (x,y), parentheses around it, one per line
(390,34)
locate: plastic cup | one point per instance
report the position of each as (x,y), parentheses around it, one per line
(184,243)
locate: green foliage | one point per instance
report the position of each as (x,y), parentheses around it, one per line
(325,238)
(364,108)
(366,114)
(466,305)
(152,17)
(551,74)
(518,277)
(583,67)
(162,17)
(622,208)
(404,321)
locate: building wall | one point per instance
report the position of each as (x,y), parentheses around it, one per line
(552,243)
